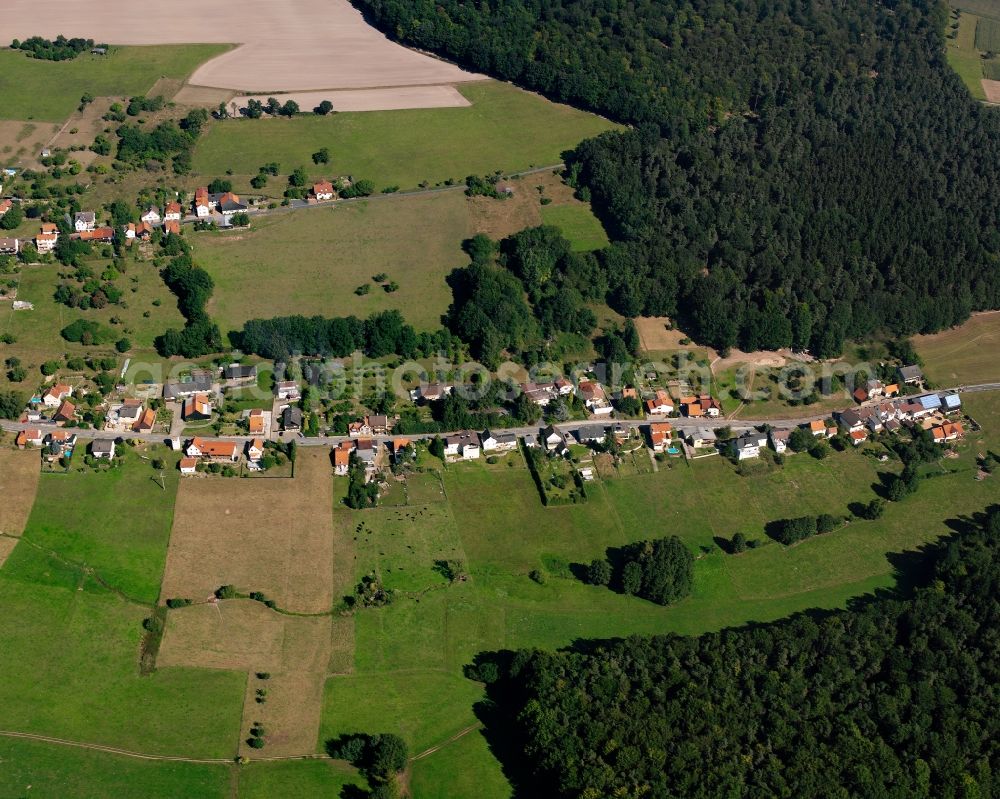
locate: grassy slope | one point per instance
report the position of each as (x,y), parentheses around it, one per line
(963,56)
(310,262)
(94,518)
(50,91)
(316,779)
(504,128)
(964,354)
(578,224)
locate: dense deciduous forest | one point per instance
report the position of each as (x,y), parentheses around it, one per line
(797,173)
(894,698)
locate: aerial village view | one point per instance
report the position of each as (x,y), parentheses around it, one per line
(489,401)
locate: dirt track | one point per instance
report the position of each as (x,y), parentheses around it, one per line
(294,45)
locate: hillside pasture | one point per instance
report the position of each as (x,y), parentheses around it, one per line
(503,128)
(964,58)
(578,224)
(273,536)
(311,261)
(965,354)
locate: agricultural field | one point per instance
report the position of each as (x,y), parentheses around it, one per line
(88,517)
(504,128)
(965,354)
(975,38)
(19,473)
(310,262)
(49,91)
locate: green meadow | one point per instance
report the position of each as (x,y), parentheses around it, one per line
(50,90)
(578,224)
(504,128)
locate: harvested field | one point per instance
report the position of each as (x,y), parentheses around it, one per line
(291,715)
(390,99)
(296,45)
(991,88)
(18,482)
(273,536)
(202,95)
(6,547)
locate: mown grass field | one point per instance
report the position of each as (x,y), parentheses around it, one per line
(90,518)
(505,128)
(578,224)
(965,354)
(963,56)
(310,262)
(49,91)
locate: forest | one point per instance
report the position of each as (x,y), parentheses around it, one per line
(895,697)
(796,174)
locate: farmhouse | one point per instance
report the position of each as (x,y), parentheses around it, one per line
(228,203)
(55,394)
(464,445)
(322,190)
(748,445)
(84,220)
(213,449)
(103,448)
(197,407)
(9,246)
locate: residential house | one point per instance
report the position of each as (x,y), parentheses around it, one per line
(172,213)
(84,220)
(66,412)
(287,390)
(255,449)
(189,465)
(949,431)
(431,392)
(929,403)
(660,404)
(464,445)
(860,395)
(553,440)
(891,390)
(539,393)
(228,204)
(910,375)
(197,407)
(103,448)
(819,429)
(9,246)
(240,374)
(203,204)
(701,405)
(779,439)
(747,445)
(379,423)
(498,442)
(145,422)
(591,434)
(256,422)
(359,428)
(858,437)
(659,436)
(30,436)
(322,190)
(530,440)
(367,450)
(5,206)
(951,403)
(172,227)
(151,216)
(291,418)
(47,238)
(342,458)
(563,386)
(213,449)
(55,394)
(594,398)
(59,443)
(101,234)
(129,231)
(702,437)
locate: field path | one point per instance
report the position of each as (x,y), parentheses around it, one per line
(460,734)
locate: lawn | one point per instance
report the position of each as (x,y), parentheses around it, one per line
(310,262)
(965,354)
(70,663)
(50,91)
(115,521)
(50,771)
(505,128)
(578,224)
